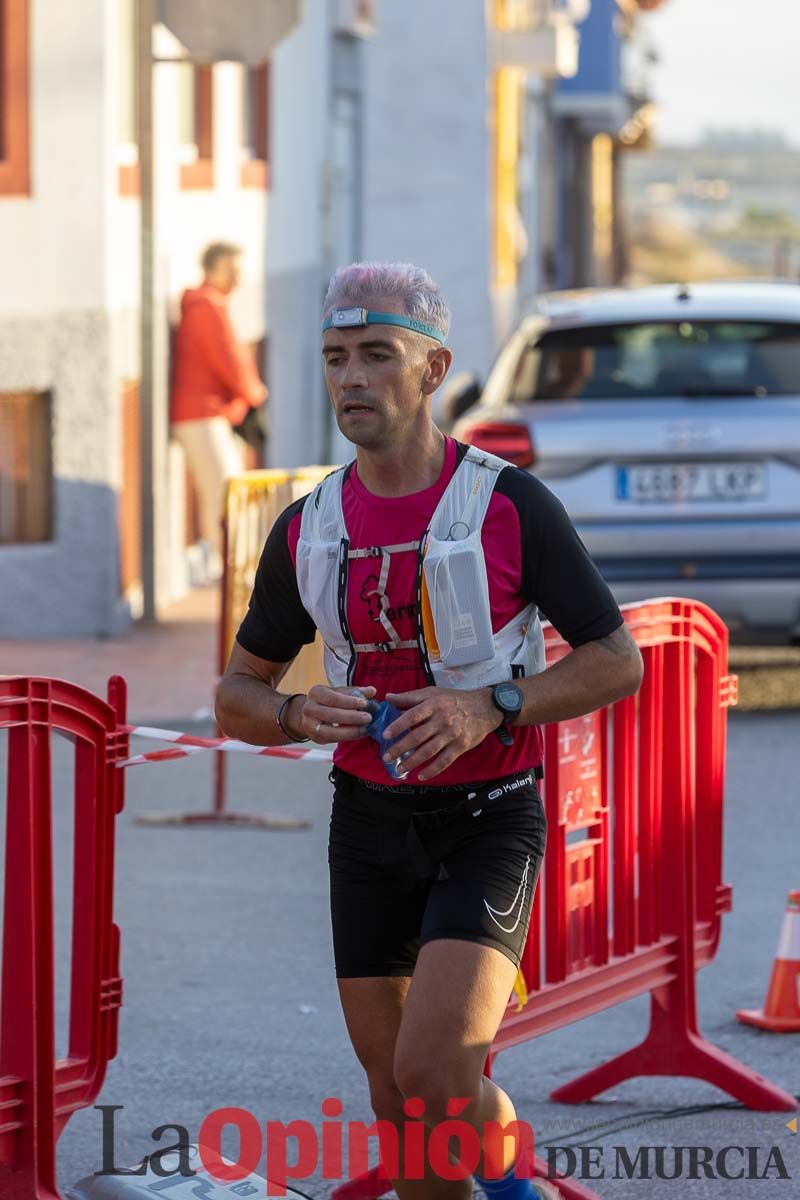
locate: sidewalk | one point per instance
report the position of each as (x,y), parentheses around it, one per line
(170,666)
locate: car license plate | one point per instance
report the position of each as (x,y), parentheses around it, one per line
(676,483)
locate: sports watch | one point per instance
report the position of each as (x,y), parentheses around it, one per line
(508,699)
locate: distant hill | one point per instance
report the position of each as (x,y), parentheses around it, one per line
(733,193)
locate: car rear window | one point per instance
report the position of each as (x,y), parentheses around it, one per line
(661,359)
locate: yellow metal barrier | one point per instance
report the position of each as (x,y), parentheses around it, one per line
(253,502)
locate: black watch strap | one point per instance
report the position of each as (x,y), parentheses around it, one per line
(503,734)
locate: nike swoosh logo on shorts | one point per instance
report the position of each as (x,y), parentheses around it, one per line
(523,883)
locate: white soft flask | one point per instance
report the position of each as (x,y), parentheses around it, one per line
(458,591)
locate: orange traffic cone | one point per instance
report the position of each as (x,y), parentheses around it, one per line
(781,1011)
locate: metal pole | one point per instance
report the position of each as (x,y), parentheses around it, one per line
(144,74)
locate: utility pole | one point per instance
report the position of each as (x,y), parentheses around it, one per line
(151,385)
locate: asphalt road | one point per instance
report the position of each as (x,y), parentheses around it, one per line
(230,997)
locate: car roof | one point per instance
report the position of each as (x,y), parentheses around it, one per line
(671,302)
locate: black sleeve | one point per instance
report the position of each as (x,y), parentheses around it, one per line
(276,625)
(558,574)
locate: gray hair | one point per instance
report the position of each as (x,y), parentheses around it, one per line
(217,251)
(360,283)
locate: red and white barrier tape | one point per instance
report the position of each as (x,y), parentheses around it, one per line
(184,744)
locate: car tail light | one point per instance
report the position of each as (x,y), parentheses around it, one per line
(506,439)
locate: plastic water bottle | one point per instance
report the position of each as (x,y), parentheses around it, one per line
(383,713)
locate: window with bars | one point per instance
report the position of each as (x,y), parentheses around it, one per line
(26,468)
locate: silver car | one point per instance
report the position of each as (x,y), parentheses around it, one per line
(667,420)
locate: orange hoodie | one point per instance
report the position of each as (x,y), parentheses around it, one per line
(212,374)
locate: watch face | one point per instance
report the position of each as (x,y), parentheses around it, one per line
(508,696)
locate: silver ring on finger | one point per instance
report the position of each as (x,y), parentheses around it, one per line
(318,727)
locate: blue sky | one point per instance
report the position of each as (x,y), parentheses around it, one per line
(726,62)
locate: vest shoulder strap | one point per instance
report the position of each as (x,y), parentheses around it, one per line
(323,518)
(467,496)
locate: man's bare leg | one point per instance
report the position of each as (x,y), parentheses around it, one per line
(458,994)
(427,1037)
(373,1011)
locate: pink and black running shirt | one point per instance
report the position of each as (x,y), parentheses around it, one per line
(533,554)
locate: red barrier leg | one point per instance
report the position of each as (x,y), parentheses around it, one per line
(672,1049)
(674,1044)
(365,1187)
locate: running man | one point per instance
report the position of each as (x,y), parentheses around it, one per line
(424,564)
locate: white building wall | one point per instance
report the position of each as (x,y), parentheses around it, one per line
(381,154)
(54,328)
(426,146)
(296,262)
(51,250)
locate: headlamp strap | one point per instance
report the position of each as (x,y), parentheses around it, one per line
(349,318)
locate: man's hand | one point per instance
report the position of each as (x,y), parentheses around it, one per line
(236,410)
(329,714)
(439,724)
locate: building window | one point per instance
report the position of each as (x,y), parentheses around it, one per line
(14,99)
(196,126)
(129,183)
(26,472)
(255,121)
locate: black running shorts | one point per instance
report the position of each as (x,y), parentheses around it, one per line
(408,867)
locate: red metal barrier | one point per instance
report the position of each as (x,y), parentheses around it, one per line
(638,907)
(37,1093)
(632,896)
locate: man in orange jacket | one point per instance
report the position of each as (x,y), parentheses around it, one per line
(214,385)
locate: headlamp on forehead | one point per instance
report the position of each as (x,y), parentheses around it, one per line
(349,318)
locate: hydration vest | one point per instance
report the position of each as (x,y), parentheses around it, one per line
(452,587)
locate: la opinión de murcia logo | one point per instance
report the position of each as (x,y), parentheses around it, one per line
(296,1150)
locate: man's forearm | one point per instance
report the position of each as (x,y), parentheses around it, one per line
(590,677)
(247,708)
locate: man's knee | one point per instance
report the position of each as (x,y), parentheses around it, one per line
(438,1088)
(385,1097)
